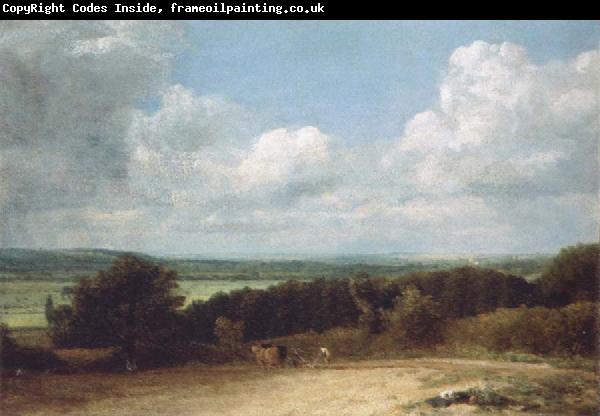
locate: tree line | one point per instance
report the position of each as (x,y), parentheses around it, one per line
(134,304)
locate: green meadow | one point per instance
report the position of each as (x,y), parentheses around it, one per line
(27,277)
(22,302)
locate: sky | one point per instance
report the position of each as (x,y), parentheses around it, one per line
(299,137)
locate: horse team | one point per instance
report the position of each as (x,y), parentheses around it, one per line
(271,356)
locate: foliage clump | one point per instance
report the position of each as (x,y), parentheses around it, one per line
(539,330)
(16,357)
(483,397)
(230,335)
(415,320)
(132,305)
(572,277)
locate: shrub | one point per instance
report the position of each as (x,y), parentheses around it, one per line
(539,330)
(581,328)
(60,326)
(12,356)
(230,335)
(572,277)
(415,320)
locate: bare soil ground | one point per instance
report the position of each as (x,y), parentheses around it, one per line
(344,388)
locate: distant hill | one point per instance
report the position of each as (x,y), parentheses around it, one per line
(72,264)
(18,260)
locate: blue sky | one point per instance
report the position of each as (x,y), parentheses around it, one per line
(361,80)
(299,137)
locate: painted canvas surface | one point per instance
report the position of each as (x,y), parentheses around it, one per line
(299,217)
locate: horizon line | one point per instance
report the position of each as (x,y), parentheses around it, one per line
(155,253)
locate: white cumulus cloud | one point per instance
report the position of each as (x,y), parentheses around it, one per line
(505,159)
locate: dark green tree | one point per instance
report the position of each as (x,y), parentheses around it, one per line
(366,293)
(60,326)
(132,305)
(49,309)
(415,320)
(572,277)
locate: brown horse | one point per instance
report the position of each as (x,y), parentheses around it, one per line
(268,356)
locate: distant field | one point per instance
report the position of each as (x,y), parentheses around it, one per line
(70,265)
(203,289)
(27,277)
(22,302)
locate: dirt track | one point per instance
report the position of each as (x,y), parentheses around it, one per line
(361,388)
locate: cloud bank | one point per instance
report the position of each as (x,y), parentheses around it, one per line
(506,159)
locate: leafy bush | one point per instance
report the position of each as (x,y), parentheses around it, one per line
(12,356)
(132,305)
(60,327)
(415,319)
(581,328)
(567,331)
(230,335)
(572,277)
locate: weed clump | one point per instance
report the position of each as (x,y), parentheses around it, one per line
(485,397)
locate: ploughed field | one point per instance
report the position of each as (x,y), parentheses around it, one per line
(361,388)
